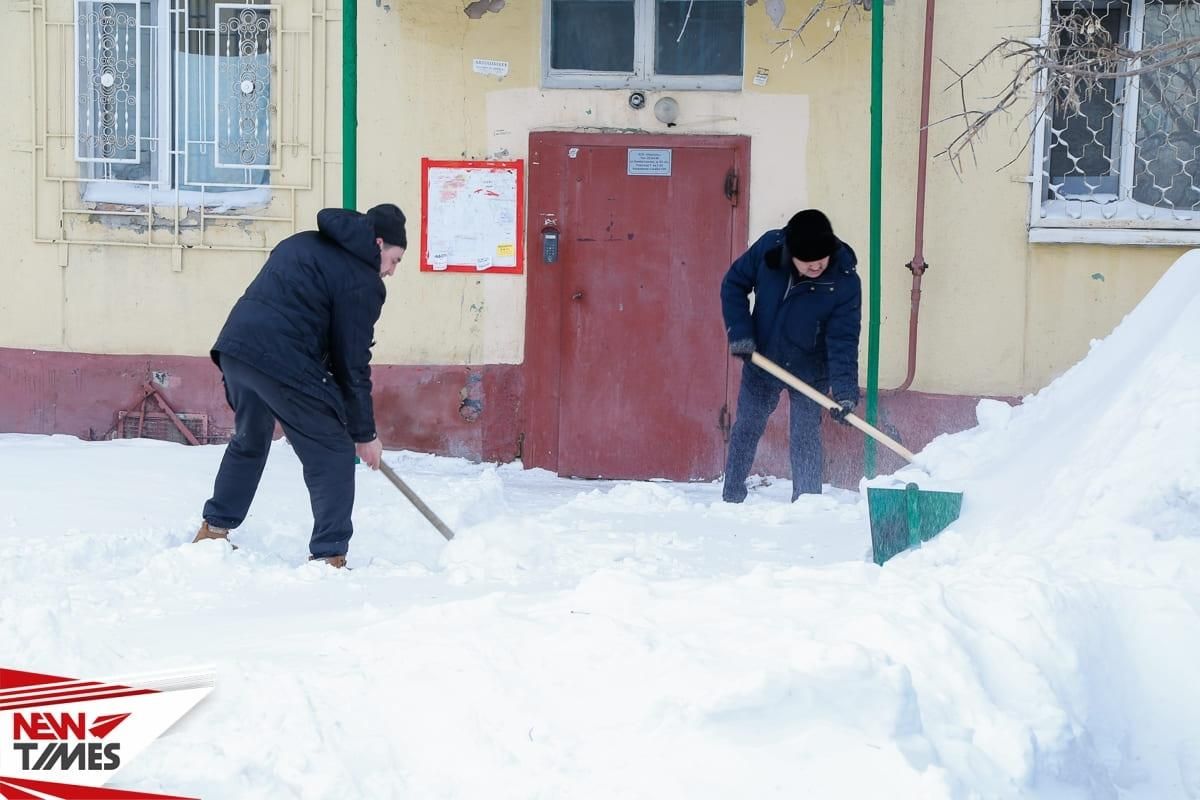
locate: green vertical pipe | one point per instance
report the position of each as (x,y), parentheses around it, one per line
(349,103)
(876,227)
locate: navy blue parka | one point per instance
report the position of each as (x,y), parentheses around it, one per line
(809,326)
(308,318)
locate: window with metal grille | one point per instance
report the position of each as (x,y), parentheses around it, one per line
(1124,153)
(643,44)
(174,101)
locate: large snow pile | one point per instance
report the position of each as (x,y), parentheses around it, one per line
(644,639)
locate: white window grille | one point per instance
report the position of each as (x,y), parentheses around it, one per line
(643,44)
(174,101)
(1123,163)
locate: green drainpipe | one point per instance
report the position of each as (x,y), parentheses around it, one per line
(349,103)
(876,227)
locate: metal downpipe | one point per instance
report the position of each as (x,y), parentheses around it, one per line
(918,265)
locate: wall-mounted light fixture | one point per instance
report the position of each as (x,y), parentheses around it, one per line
(666,111)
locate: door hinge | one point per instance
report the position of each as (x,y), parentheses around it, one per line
(723,422)
(731,186)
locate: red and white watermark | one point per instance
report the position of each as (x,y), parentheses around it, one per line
(66,737)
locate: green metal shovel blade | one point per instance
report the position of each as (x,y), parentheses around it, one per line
(903,518)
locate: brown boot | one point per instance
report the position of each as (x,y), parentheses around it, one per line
(337,562)
(212,532)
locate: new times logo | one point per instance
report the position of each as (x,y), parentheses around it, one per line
(66,742)
(61,738)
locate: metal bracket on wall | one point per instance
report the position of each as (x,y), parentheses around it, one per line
(731,187)
(150,390)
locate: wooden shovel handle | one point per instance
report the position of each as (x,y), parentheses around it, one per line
(759,360)
(425,510)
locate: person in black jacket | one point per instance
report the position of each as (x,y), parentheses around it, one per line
(297,348)
(807,317)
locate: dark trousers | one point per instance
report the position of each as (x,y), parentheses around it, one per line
(757,398)
(316,434)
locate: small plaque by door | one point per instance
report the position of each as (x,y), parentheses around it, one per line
(648,161)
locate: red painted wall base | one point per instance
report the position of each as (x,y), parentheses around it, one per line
(469,412)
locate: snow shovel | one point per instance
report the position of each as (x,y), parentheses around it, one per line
(900,518)
(425,510)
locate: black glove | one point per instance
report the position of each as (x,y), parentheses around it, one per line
(839,414)
(742,348)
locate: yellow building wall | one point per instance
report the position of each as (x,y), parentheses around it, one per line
(998,315)
(74,282)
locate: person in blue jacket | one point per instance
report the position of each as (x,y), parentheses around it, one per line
(297,348)
(807,317)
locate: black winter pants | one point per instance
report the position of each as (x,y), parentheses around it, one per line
(757,398)
(316,434)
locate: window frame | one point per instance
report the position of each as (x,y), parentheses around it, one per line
(168,108)
(1080,221)
(643,76)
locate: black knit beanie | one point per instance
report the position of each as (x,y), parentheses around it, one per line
(809,236)
(388,221)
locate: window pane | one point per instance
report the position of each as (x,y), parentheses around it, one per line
(225,96)
(199,37)
(115,122)
(1166,169)
(1084,140)
(712,37)
(594,35)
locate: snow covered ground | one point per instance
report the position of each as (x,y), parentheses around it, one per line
(582,639)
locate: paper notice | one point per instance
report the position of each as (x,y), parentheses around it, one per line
(439,261)
(488,66)
(482,263)
(506,250)
(760,77)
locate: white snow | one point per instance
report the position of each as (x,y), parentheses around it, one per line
(134,193)
(644,640)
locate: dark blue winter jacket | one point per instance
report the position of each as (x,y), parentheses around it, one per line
(308,318)
(809,326)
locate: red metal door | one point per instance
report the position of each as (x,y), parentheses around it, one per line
(643,365)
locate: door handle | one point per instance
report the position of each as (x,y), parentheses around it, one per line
(577,296)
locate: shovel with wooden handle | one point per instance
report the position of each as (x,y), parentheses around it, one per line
(425,510)
(759,360)
(900,518)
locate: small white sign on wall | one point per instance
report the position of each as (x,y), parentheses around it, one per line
(648,161)
(488,66)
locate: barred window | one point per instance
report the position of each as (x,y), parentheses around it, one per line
(1124,152)
(174,101)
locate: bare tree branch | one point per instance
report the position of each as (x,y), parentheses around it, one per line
(1067,68)
(818,6)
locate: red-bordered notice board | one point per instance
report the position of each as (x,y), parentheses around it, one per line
(471,216)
